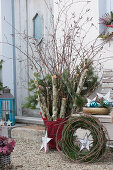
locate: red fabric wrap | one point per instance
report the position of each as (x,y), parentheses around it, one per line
(52,127)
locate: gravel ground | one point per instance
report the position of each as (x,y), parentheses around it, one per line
(27,154)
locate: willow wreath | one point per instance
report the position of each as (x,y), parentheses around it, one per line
(71,146)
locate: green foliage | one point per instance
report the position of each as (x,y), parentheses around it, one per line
(104,103)
(80,101)
(91,82)
(111,16)
(1,62)
(111,149)
(31,102)
(1,86)
(103,36)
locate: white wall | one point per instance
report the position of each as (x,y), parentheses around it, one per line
(5,49)
(0,31)
(25,10)
(94,6)
(0,41)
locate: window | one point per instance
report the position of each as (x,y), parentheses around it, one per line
(37,28)
(105,6)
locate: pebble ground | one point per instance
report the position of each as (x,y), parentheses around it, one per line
(27,154)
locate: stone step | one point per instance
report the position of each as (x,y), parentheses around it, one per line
(107,90)
(31,112)
(108,73)
(107,80)
(107,85)
(29,120)
(106,120)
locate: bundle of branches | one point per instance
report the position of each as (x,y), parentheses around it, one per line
(59,95)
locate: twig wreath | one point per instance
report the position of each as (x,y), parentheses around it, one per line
(83,150)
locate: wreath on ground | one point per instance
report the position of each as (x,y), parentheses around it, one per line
(90,149)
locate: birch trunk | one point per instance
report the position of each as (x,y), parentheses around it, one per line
(39,100)
(42,101)
(55,97)
(63,108)
(41,108)
(79,89)
(81,81)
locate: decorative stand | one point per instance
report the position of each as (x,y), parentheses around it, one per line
(96,111)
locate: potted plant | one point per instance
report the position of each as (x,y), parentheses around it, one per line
(63,61)
(6,147)
(61,95)
(107,20)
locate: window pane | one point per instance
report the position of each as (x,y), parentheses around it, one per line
(108,6)
(111,5)
(37,28)
(102,11)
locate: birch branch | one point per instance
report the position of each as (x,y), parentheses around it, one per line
(55,97)
(41,108)
(42,101)
(63,108)
(39,100)
(79,89)
(81,81)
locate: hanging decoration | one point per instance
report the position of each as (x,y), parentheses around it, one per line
(83,150)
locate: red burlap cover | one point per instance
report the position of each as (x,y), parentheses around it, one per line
(52,127)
